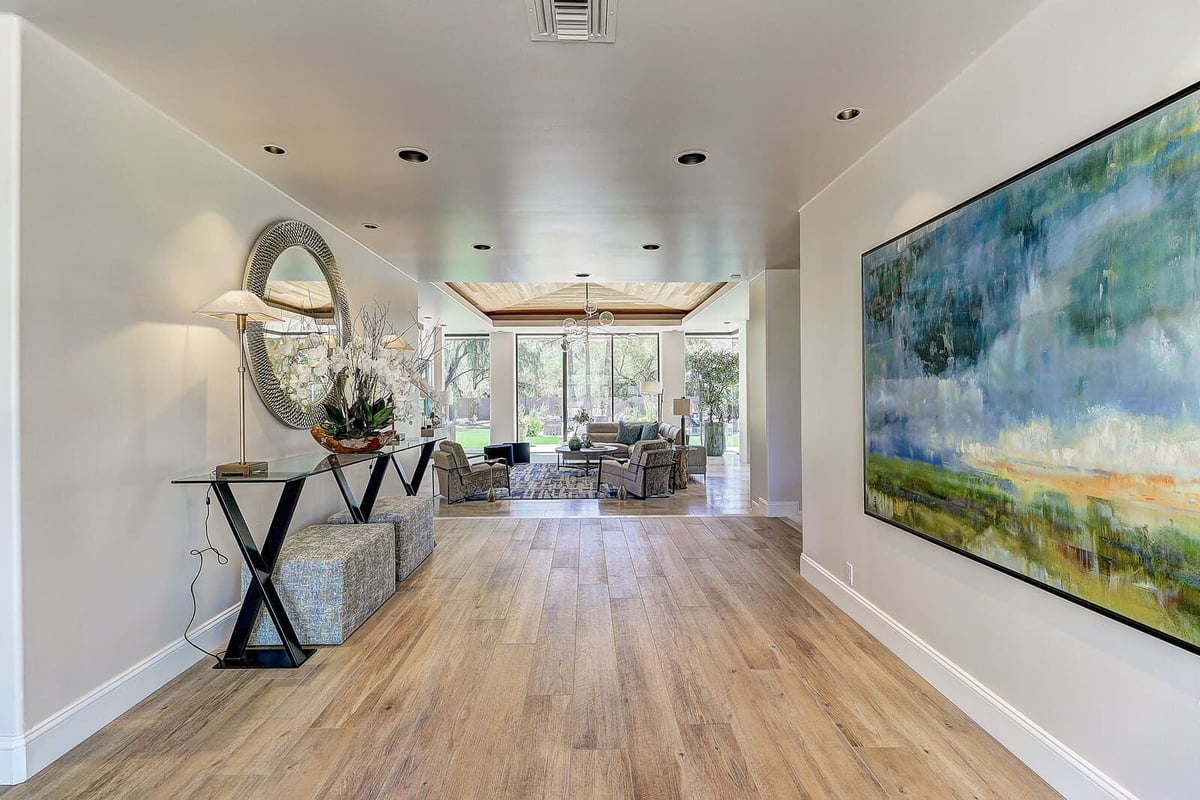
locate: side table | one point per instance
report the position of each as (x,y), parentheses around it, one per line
(679,473)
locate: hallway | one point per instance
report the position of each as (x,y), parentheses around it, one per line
(585,658)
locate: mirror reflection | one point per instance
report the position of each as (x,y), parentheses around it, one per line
(297,288)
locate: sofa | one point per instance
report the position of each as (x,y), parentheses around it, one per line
(606,433)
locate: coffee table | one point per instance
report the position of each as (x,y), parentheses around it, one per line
(584,458)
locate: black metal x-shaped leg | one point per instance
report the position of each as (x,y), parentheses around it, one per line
(413,485)
(262,587)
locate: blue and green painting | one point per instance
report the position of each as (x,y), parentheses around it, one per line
(1031,366)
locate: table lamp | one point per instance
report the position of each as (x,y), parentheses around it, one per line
(240,306)
(654,388)
(682,406)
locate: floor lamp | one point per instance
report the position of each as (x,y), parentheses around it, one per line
(654,388)
(682,406)
(240,306)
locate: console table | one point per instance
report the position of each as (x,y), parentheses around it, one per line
(292,473)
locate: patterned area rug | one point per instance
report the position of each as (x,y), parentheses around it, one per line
(548,482)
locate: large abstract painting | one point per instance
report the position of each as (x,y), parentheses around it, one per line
(1031,374)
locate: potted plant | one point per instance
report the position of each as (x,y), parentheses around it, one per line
(581,418)
(713,381)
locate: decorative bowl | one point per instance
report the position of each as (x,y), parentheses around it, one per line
(367,444)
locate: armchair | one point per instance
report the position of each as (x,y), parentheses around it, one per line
(458,478)
(647,472)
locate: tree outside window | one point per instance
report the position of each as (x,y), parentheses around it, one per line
(467,367)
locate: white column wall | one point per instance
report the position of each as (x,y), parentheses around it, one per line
(744,397)
(772,342)
(503,347)
(671,369)
(755,410)
(12,712)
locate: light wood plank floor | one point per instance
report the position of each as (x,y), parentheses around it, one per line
(651,657)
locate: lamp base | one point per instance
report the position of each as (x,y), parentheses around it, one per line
(241,469)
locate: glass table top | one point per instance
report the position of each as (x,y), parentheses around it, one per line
(293,468)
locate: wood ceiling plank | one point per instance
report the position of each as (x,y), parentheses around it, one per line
(551,299)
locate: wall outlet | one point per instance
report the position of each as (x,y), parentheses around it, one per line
(849,574)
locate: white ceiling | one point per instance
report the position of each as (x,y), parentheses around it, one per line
(560,155)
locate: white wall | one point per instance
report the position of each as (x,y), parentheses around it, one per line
(671,354)
(754,412)
(503,348)
(128,222)
(1125,702)
(773,389)
(744,392)
(12,717)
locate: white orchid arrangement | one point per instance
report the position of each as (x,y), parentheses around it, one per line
(373,381)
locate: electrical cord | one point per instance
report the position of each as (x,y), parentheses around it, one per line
(222,559)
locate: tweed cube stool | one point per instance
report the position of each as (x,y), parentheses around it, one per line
(330,579)
(413,518)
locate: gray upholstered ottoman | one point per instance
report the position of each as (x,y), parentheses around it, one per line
(330,578)
(413,518)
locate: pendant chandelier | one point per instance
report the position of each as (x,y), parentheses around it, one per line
(580,330)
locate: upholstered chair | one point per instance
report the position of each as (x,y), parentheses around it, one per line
(459,479)
(647,473)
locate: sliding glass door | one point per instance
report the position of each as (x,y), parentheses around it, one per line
(603,375)
(540,372)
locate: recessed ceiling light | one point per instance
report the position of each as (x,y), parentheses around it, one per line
(427,316)
(482,246)
(847,114)
(583,274)
(690,158)
(274,149)
(735,276)
(371,226)
(651,246)
(726,323)
(412,155)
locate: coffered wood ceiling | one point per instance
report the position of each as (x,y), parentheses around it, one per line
(660,300)
(559,155)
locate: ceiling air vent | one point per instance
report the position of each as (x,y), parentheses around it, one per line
(572,20)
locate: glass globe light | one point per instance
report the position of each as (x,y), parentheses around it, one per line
(570,324)
(607,319)
(589,308)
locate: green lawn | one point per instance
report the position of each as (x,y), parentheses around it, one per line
(473,438)
(476,438)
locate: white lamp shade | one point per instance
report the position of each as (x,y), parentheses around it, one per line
(651,387)
(239,303)
(398,343)
(681,406)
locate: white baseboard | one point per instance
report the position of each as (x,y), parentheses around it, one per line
(778,508)
(1060,766)
(22,757)
(12,760)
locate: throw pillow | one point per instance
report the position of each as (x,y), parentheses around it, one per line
(628,434)
(649,430)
